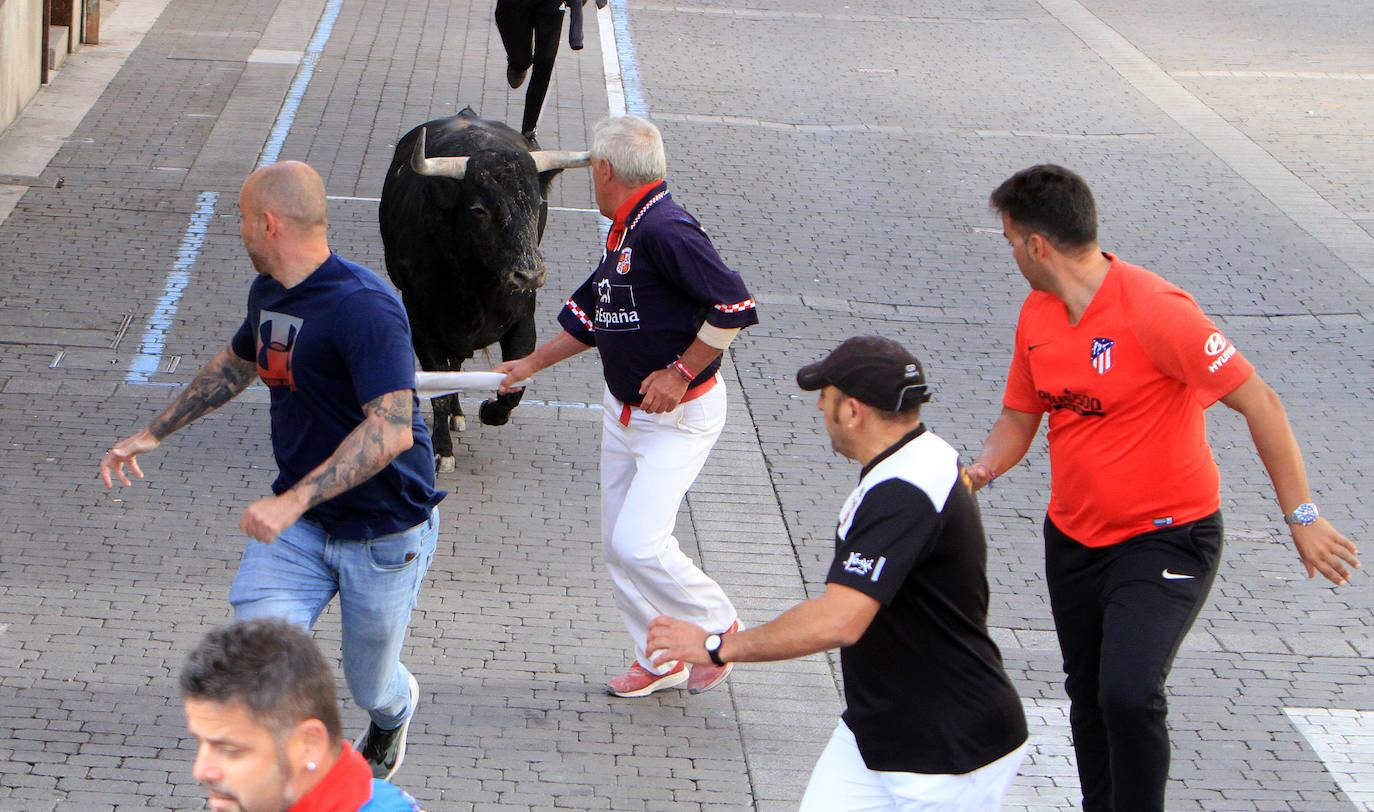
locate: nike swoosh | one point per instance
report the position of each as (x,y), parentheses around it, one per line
(1173,576)
(1036,346)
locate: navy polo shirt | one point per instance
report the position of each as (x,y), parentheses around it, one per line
(659,280)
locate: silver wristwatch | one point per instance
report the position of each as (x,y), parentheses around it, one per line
(1303,514)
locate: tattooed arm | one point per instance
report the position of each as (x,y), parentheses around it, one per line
(384,433)
(215,385)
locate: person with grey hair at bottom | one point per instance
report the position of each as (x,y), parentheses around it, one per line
(260,701)
(660,309)
(933,721)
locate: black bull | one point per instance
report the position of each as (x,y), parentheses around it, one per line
(461,234)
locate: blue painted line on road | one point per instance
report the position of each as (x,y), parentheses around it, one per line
(155,333)
(287,115)
(629,66)
(154,339)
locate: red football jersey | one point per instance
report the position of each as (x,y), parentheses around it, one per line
(1125,389)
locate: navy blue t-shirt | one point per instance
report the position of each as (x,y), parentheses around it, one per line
(644,304)
(334,342)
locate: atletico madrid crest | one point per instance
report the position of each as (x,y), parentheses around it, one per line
(622,265)
(1102,355)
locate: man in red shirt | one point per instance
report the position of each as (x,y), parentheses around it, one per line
(1125,364)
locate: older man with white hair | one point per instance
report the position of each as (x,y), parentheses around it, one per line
(660,308)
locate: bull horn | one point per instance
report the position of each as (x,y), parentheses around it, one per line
(546,159)
(441,167)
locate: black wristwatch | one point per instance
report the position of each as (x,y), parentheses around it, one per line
(713,644)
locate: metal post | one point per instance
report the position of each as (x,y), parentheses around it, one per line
(90,29)
(43,60)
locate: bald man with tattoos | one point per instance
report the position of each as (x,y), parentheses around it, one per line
(352,511)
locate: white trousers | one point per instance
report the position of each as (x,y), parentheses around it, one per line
(646,469)
(841,782)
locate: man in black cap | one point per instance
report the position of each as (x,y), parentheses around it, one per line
(931,713)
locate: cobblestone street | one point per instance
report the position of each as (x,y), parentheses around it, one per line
(841,157)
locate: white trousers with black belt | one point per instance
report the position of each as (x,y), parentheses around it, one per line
(646,468)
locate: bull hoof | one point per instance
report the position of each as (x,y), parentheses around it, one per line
(492,413)
(457,422)
(444,465)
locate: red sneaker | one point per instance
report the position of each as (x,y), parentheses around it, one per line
(639,681)
(706,677)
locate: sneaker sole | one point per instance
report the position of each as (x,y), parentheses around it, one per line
(406,728)
(665,681)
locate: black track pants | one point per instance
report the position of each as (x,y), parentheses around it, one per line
(529,31)
(1121,613)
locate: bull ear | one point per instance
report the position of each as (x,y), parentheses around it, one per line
(440,167)
(547,159)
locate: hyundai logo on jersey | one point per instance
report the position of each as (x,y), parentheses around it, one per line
(1216,342)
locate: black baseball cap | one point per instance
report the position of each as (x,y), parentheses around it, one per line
(872,369)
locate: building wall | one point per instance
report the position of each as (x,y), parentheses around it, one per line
(21,45)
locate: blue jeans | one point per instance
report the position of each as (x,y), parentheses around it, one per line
(377,582)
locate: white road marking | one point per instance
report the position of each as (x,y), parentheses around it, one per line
(1273,74)
(551,208)
(1344,740)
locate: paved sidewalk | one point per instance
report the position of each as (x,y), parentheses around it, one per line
(841,158)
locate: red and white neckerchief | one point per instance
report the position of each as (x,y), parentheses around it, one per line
(616,238)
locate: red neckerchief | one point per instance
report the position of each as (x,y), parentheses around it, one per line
(623,213)
(345,788)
